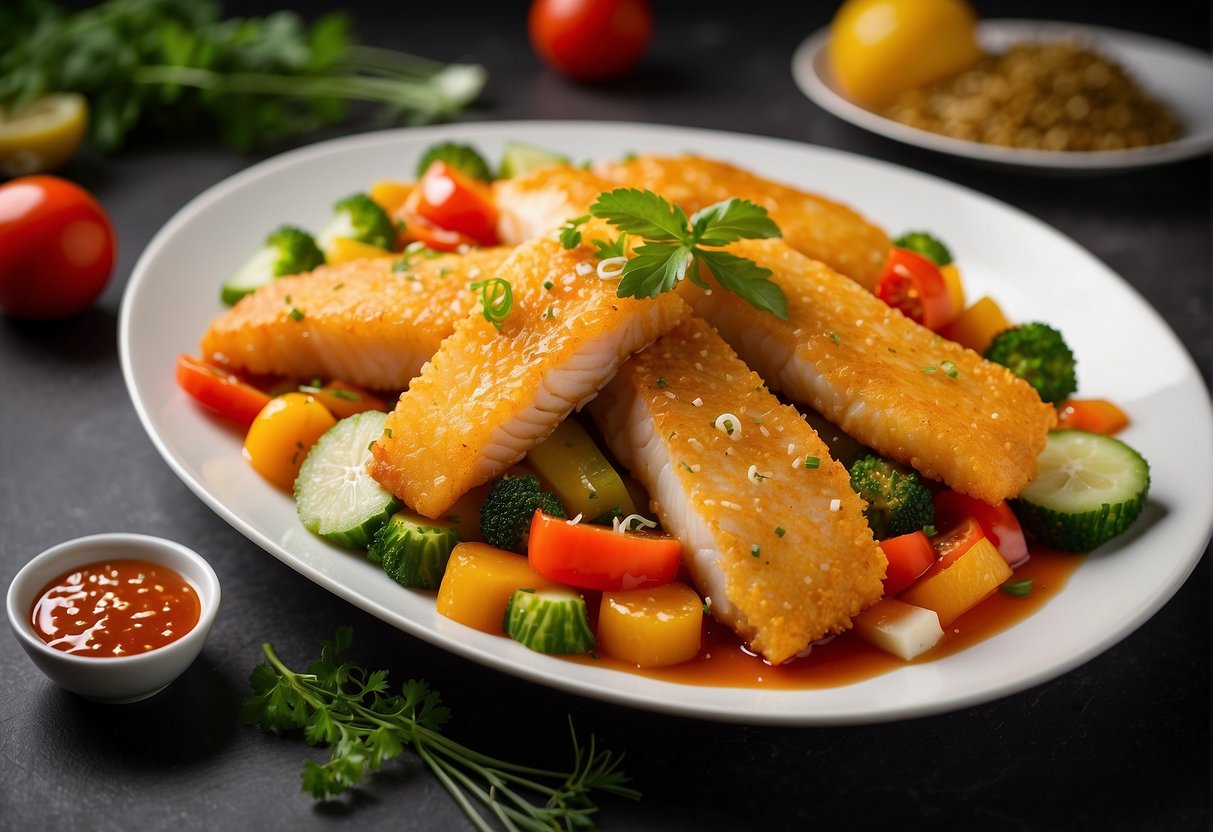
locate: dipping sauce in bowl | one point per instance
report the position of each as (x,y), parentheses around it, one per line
(115,608)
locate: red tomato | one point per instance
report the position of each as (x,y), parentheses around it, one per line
(595,557)
(1094,415)
(591,40)
(998,522)
(56,248)
(957,540)
(909,555)
(219,390)
(446,198)
(914,285)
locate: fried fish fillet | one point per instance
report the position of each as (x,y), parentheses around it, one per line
(488,396)
(543,199)
(781,548)
(892,384)
(364,322)
(813,225)
(534,203)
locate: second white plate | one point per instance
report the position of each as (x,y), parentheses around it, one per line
(1178,75)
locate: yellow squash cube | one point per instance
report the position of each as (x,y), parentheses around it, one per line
(479,581)
(651,627)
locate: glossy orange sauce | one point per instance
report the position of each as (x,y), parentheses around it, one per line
(723,661)
(115,608)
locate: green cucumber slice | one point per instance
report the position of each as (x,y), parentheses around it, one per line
(334,495)
(520,158)
(413,550)
(257,271)
(1088,489)
(549,621)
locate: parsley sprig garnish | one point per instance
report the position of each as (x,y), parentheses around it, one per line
(340,705)
(672,242)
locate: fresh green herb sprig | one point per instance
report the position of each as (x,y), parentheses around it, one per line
(340,705)
(672,241)
(177,66)
(570,232)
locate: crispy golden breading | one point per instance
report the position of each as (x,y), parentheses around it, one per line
(361,322)
(892,384)
(489,396)
(782,550)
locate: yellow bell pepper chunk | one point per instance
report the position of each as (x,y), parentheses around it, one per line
(390,195)
(955,589)
(343,250)
(651,627)
(976,327)
(479,581)
(284,431)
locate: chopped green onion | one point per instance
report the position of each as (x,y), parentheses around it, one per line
(812,462)
(1017,589)
(497,298)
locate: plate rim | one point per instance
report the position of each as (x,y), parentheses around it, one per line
(821,92)
(466,647)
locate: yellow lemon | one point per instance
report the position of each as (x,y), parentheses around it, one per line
(881,48)
(42,135)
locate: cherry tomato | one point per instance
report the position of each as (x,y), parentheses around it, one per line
(998,522)
(447,199)
(219,390)
(56,248)
(595,557)
(591,40)
(909,555)
(914,285)
(953,543)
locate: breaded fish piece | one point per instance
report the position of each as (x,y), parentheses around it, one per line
(782,549)
(813,225)
(488,396)
(892,384)
(362,321)
(534,203)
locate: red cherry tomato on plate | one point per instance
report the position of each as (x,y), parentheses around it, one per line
(914,285)
(446,200)
(220,390)
(591,40)
(998,522)
(56,248)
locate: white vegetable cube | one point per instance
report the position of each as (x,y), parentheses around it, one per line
(901,629)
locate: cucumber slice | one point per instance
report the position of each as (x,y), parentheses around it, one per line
(413,550)
(257,271)
(549,621)
(334,495)
(1088,489)
(520,158)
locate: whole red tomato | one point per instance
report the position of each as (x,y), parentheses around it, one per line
(56,248)
(591,40)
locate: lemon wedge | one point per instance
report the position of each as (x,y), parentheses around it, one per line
(42,135)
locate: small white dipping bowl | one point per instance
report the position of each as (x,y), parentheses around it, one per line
(115,679)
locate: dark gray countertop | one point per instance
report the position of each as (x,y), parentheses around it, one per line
(1122,742)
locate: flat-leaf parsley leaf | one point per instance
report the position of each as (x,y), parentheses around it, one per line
(672,243)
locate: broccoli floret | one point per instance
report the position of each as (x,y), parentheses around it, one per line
(925,244)
(898,502)
(505,517)
(295,252)
(360,218)
(1039,355)
(463,158)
